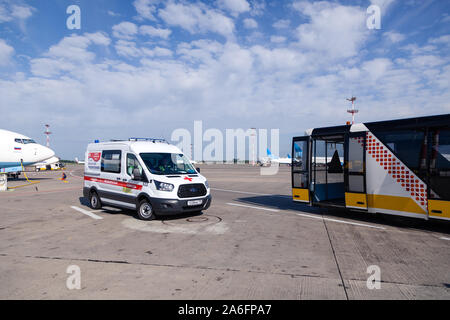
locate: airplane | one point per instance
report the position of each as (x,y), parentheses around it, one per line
(78,161)
(272,159)
(17,150)
(52,163)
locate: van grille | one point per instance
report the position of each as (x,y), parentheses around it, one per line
(191,190)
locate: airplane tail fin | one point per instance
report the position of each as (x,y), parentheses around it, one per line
(269,154)
(289,156)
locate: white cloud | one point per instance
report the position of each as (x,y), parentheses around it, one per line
(4,14)
(21,12)
(394,37)
(10,12)
(258,7)
(126,48)
(441,40)
(282,24)
(426,61)
(377,68)
(129,49)
(197,18)
(113,14)
(146,8)
(292,85)
(235,7)
(383,4)
(6,52)
(277,39)
(125,30)
(337,30)
(155,32)
(68,54)
(250,23)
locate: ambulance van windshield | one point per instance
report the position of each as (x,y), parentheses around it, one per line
(167,163)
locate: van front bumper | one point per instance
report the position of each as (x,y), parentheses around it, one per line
(175,206)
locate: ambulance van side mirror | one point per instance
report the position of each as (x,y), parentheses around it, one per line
(198,170)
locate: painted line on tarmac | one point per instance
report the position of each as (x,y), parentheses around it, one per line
(310,216)
(252,207)
(74,175)
(19,194)
(90,214)
(444,238)
(340,221)
(252,193)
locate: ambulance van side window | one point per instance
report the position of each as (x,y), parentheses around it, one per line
(111,161)
(133,163)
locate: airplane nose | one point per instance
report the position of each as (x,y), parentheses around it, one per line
(47,153)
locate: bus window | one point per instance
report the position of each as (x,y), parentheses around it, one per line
(355,156)
(405,144)
(440,164)
(300,164)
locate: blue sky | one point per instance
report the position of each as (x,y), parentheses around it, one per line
(147,67)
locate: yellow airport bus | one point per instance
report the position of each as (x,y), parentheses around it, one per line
(398,167)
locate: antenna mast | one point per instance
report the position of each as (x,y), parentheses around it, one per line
(47,133)
(353,111)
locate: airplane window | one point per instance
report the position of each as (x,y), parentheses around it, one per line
(28,141)
(18,140)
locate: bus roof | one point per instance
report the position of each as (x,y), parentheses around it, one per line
(410,123)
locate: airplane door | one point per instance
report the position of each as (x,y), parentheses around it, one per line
(300,169)
(355,171)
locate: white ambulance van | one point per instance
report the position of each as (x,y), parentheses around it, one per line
(147,175)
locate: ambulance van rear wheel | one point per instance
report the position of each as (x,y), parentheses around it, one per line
(94,200)
(145,210)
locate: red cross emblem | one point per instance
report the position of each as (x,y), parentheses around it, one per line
(187,178)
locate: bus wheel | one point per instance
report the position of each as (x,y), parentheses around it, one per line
(94,200)
(145,210)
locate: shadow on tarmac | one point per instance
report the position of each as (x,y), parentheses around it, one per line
(129,212)
(282,202)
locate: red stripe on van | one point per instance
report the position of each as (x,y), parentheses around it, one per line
(114,183)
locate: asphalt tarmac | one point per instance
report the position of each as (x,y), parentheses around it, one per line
(253,242)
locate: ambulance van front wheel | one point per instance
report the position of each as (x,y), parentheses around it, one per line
(94,200)
(145,210)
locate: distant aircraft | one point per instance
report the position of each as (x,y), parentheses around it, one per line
(48,164)
(318,160)
(17,150)
(78,161)
(272,159)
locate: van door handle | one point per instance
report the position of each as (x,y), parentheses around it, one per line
(437,211)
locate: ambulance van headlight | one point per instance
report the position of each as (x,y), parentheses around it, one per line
(206,184)
(162,186)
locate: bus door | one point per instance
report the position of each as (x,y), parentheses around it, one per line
(439,174)
(300,169)
(355,171)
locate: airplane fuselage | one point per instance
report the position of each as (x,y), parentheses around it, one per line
(16,149)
